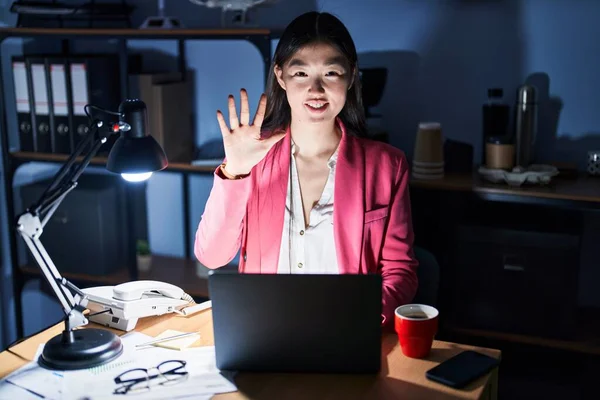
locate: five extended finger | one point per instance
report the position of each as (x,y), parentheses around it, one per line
(245,108)
(260,111)
(233,118)
(224,128)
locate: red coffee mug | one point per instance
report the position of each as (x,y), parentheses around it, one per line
(416,326)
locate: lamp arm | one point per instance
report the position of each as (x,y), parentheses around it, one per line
(59,177)
(28,224)
(30,227)
(63,183)
(66,167)
(72,306)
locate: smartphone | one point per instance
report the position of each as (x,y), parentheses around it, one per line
(462,369)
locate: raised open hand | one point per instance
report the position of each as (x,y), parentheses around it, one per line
(244,147)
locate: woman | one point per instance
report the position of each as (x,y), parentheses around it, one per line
(300,192)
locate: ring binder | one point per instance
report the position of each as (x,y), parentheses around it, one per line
(23,107)
(59,106)
(40,112)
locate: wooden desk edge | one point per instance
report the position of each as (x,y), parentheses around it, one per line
(484,388)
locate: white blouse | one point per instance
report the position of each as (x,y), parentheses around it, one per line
(308,250)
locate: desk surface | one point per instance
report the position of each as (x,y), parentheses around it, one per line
(582,188)
(400,377)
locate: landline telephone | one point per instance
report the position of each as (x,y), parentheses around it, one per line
(121,306)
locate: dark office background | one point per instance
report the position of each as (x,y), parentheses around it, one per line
(442,55)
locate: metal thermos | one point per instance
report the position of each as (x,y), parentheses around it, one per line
(525,125)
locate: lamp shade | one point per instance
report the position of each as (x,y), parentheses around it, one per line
(136,156)
(135,151)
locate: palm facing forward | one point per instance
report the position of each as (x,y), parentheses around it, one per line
(244,147)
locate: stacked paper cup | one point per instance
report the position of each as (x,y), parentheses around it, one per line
(428,157)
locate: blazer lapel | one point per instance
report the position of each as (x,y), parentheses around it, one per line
(271,197)
(349,209)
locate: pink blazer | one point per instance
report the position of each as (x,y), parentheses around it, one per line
(371,217)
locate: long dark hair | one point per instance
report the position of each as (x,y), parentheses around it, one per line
(310,28)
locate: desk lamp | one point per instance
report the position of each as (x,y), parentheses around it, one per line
(135,155)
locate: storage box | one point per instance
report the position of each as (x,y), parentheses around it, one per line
(168,100)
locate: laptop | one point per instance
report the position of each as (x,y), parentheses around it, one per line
(296,323)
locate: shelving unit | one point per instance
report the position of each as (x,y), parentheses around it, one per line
(181,272)
(21,157)
(581,193)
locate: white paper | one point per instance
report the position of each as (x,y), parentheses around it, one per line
(10,391)
(38,380)
(196,386)
(203,379)
(203,376)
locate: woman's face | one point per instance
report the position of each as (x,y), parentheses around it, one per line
(316,80)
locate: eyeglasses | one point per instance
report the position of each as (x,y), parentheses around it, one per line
(138,380)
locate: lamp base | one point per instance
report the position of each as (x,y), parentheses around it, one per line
(80,349)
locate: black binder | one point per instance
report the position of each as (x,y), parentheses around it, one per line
(79,97)
(94,80)
(61,126)
(23,107)
(39,103)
